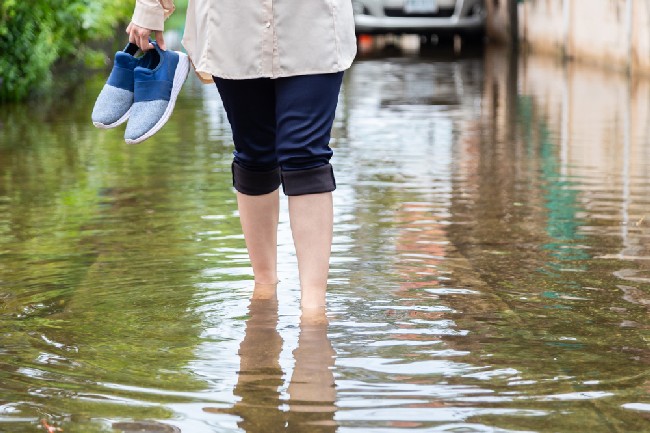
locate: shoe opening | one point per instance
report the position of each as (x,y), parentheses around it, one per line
(132,49)
(151,60)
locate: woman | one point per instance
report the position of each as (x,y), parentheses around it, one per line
(278,66)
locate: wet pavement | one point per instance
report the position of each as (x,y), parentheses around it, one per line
(490,273)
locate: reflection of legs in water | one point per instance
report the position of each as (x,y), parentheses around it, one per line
(260,375)
(311,391)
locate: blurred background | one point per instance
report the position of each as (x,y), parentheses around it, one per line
(491,256)
(40,39)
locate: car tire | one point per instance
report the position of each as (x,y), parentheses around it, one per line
(474,38)
(427,41)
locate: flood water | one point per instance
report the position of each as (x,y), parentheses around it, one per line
(490,269)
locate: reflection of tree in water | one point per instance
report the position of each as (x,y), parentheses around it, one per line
(97,273)
(311,390)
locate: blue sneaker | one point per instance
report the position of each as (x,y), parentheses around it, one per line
(157,85)
(114,102)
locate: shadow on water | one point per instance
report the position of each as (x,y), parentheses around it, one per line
(490,268)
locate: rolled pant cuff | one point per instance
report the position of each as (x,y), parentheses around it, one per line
(309,181)
(251,182)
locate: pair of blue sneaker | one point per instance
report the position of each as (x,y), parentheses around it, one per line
(142,90)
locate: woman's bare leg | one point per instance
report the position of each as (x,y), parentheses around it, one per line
(259,216)
(312,219)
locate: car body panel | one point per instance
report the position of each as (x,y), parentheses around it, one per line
(389,16)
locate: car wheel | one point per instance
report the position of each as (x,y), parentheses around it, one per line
(445,40)
(474,38)
(427,41)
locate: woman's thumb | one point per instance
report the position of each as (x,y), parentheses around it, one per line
(160,39)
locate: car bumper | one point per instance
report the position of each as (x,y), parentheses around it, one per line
(373,24)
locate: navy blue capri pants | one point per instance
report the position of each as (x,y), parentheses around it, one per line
(281,128)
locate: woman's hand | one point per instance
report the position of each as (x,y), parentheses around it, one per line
(140,36)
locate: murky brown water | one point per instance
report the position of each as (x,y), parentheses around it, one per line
(491,267)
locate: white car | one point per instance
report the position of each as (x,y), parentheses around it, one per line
(442,18)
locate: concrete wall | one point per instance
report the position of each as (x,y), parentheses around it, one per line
(611,33)
(499,23)
(641,35)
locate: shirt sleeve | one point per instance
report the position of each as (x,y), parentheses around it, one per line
(151,14)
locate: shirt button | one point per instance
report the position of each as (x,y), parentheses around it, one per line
(268,24)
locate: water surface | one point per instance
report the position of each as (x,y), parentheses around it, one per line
(490,270)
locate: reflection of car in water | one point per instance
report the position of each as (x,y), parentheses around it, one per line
(405,117)
(425,17)
(409,118)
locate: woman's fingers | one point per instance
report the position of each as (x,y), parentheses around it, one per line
(144,42)
(139,36)
(143,38)
(131,33)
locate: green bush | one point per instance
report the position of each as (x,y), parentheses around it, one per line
(34,34)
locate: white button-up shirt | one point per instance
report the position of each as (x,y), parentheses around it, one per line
(241,39)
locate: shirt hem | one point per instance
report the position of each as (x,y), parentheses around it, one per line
(199,69)
(282,75)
